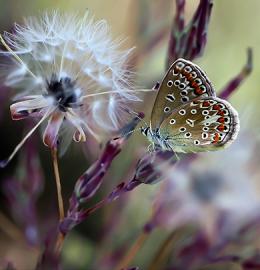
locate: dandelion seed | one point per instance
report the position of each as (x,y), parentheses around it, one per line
(68,68)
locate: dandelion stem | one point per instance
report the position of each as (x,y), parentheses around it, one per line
(117,92)
(16,57)
(133,250)
(59,242)
(58,183)
(61,236)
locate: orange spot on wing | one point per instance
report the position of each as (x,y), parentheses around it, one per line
(198,91)
(221,127)
(221,120)
(216,138)
(205,104)
(193,84)
(216,107)
(189,77)
(220,112)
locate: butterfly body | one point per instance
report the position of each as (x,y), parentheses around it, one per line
(187,116)
(158,141)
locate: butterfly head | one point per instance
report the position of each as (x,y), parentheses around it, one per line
(145,131)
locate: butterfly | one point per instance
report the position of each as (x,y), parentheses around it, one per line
(187,115)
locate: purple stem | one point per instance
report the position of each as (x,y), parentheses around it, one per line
(177,29)
(189,42)
(76,216)
(197,33)
(120,190)
(237,81)
(88,184)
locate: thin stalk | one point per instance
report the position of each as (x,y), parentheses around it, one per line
(168,246)
(58,183)
(60,237)
(163,252)
(126,260)
(116,92)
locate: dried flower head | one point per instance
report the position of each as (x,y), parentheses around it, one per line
(71,72)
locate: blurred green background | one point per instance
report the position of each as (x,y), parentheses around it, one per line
(233,28)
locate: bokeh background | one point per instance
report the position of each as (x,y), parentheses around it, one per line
(232,29)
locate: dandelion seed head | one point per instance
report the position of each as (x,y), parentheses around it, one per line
(73,64)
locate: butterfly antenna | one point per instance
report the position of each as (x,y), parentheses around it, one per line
(139,115)
(131,126)
(130,132)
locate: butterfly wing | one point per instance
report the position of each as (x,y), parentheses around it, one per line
(183,82)
(204,124)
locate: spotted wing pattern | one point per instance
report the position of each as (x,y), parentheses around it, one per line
(183,82)
(205,124)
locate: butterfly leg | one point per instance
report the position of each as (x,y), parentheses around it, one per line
(150,148)
(177,157)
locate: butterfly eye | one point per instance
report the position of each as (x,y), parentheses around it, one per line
(196,142)
(207,124)
(205,129)
(207,117)
(182,112)
(177,83)
(169,83)
(182,129)
(193,74)
(172,121)
(193,111)
(188,69)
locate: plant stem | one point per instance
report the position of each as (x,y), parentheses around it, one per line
(163,252)
(168,247)
(60,237)
(133,250)
(58,183)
